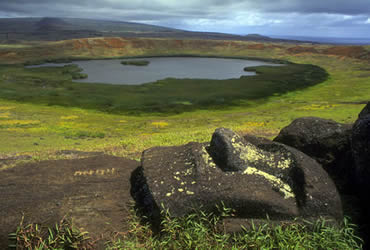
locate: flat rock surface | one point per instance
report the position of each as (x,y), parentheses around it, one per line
(94,191)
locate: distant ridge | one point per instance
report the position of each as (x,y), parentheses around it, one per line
(54,29)
(51,23)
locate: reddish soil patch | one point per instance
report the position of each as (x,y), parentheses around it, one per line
(258,46)
(81,44)
(143,44)
(77,44)
(115,42)
(348,51)
(94,191)
(274,46)
(300,49)
(203,44)
(179,43)
(8,54)
(3,53)
(100,42)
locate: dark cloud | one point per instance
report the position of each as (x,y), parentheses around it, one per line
(346,7)
(236,16)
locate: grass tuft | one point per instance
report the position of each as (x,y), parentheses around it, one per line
(64,235)
(200,230)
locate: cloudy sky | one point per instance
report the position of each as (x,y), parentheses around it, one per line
(332,18)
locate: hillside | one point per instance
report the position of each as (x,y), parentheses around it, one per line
(55,29)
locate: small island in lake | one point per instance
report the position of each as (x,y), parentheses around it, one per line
(136,63)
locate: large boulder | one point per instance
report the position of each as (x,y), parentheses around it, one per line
(255,177)
(326,141)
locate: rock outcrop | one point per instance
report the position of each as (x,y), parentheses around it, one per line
(360,143)
(94,191)
(255,177)
(326,141)
(361,150)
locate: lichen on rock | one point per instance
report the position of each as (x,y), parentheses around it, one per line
(253,176)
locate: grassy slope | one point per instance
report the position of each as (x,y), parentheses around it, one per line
(41,130)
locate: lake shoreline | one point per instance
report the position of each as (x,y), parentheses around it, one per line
(118,72)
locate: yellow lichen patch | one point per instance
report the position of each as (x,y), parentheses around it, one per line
(207,158)
(251,154)
(4,115)
(176,178)
(180,190)
(160,124)
(6,107)
(74,125)
(284,164)
(18,122)
(254,124)
(145,135)
(189,192)
(276,182)
(69,117)
(38,129)
(18,130)
(318,106)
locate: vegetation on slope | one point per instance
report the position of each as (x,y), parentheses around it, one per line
(54,86)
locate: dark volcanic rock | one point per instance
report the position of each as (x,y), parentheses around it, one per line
(270,179)
(225,150)
(326,141)
(361,149)
(361,152)
(93,191)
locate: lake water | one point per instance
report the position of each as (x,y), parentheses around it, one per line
(113,72)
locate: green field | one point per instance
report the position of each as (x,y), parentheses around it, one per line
(42,111)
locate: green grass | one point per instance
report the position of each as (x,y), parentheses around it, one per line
(202,231)
(198,230)
(63,235)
